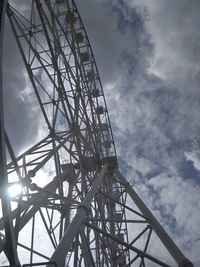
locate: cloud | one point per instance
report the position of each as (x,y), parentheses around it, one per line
(193,157)
(154,109)
(104,38)
(22,116)
(148,56)
(175,30)
(178,199)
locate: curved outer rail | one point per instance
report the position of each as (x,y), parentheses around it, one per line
(9,244)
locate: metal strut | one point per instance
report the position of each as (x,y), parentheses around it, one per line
(9,245)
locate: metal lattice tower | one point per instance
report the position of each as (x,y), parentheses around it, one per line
(75,208)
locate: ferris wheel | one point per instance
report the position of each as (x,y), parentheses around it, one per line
(70,205)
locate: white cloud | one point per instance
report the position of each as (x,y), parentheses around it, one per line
(155,120)
(180,201)
(194,157)
(175,30)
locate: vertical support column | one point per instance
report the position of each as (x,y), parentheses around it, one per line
(71,232)
(175,252)
(10,247)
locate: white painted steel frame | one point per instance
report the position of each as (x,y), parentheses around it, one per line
(60,64)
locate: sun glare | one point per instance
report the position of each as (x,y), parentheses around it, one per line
(14,189)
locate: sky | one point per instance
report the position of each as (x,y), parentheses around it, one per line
(148,56)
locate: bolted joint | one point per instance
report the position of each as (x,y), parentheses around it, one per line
(33,187)
(83,207)
(31,174)
(186,263)
(51,132)
(112,162)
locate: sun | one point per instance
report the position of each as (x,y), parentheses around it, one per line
(14,190)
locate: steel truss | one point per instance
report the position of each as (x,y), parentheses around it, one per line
(75,208)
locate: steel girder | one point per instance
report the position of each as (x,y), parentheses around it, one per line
(9,244)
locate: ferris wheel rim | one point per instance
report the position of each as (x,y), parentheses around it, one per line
(32,173)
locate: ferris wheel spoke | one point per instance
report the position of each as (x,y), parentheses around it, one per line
(10,15)
(75,54)
(86,121)
(33,71)
(83,73)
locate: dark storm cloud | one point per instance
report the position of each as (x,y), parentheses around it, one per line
(21,113)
